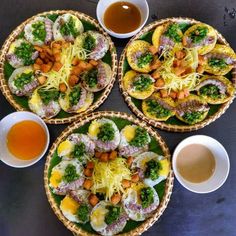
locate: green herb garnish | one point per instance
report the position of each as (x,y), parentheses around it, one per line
(193,117)
(48,95)
(155,109)
(199,34)
(74,95)
(144,59)
(24,52)
(39,31)
(89,43)
(142,83)
(21,35)
(141,138)
(152,169)
(112,215)
(91,77)
(52,17)
(70,173)
(184,26)
(173,33)
(211,90)
(83,213)
(106,132)
(68,28)
(214,62)
(23,79)
(146,196)
(79,151)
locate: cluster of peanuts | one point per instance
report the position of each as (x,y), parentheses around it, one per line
(88,172)
(180,68)
(50,59)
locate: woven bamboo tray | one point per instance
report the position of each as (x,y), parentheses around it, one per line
(168,186)
(4,86)
(139,113)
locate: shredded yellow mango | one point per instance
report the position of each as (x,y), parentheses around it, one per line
(107,177)
(54,78)
(174,82)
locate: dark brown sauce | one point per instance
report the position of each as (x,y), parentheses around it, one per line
(122,17)
(195,163)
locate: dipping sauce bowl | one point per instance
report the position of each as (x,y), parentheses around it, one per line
(6,124)
(221,169)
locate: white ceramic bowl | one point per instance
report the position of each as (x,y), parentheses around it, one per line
(5,125)
(141,4)
(221,170)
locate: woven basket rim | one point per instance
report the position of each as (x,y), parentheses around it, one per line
(169,181)
(139,113)
(105,92)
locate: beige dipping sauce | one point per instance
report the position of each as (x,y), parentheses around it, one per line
(195,163)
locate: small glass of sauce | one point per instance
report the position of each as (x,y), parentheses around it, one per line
(122,17)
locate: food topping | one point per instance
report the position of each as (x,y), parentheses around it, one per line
(39,31)
(135,178)
(83,212)
(68,28)
(93,199)
(141,138)
(212,91)
(152,169)
(89,43)
(215,62)
(129,161)
(142,83)
(23,79)
(62,86)
(70,173)
(199,34)
(146,196)
(106,132)
(79,151)
(88,183)
(107,176)
(48,95)
(74,95)
(126,183)
(113,214)
(192,117)
(91,77)
(172,32)
(156,109)
(190,106)
(115,199)
(144,59)
(49,57)
(25,52)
